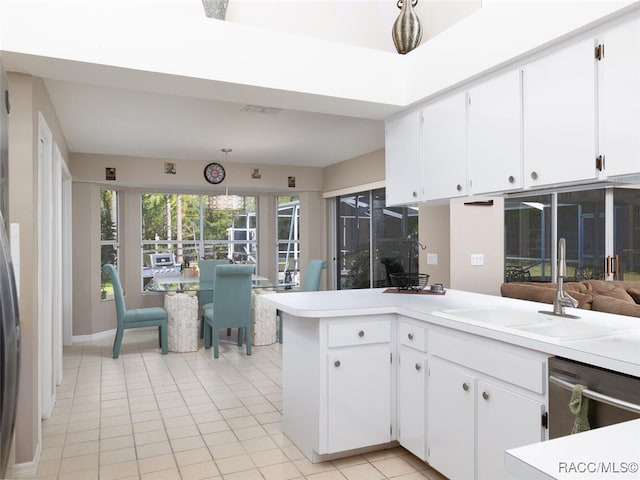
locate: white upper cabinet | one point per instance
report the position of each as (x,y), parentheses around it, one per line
(494,134)
(619,85)
(560,117)
(444,148)
(403,143)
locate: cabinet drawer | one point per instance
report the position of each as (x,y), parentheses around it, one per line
(514,365)
(413,336)
(361,333)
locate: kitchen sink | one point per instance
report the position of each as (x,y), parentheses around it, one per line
(561,328)
(531,322)
(502,316)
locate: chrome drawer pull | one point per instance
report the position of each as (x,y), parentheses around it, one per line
(337,363)
(418,366)
(599,397)
(361,333)
(465,386)
(485,395)
(410,335)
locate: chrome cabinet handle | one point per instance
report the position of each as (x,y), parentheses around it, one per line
(485,395)
(418,366)
(337,363)
(410,336)
(415,194)
(511,179)
(459,187)
(534,175)
(361,333)
(465,386)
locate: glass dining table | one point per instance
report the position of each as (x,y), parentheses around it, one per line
(182,306)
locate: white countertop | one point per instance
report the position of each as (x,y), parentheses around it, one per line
(605,453)
(617,349)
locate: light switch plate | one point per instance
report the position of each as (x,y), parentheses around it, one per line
(432,258)
(477,259)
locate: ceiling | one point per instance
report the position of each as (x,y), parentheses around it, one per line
(112,111)
(105,120)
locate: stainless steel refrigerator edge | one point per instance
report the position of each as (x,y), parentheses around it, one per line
(9,350)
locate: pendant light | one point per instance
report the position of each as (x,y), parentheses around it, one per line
(226,201)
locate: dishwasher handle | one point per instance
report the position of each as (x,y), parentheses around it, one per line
(599,397)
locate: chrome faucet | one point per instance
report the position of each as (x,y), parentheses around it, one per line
(562,299)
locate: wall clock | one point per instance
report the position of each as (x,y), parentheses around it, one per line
(214,173)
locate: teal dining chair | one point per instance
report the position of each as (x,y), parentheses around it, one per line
(231,306)
(310,283)
(134,318)
(207,282)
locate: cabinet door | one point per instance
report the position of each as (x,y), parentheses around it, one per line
(493,132)
(412,400)
(559,117)
(505,420)
(444,148)
(402,158)
(450,420)
(619,77)
(358,397)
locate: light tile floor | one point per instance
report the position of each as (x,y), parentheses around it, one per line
(186,416)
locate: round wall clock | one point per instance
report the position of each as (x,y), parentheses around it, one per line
(214,173)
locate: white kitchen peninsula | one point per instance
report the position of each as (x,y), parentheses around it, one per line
(360,366)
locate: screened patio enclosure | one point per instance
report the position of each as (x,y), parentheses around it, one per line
(373,240)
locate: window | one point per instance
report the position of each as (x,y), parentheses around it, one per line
(108,237)
(288,218)
(579,217)
(373,240)
(191,227)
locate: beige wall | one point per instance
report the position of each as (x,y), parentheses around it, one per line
(149,172)
(28,96)
(434,232)
(456,231)
(477,230)
(355,172)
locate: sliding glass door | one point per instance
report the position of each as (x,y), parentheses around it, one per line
(626,235)
(601,228)
(373,240)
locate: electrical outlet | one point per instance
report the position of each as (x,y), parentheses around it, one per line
(477,259)
(432,258)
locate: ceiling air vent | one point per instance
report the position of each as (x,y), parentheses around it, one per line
(261,110)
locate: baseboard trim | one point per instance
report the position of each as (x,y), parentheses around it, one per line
(28,469)
(93,336)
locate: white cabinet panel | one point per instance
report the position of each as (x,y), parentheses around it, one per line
(403,159)
(494,135)
(358,397)
(451,420)
(505,420)
(559,117)
(619,78)
(412,400)
(444,148)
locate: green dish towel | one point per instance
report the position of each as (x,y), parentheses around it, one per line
(579,406)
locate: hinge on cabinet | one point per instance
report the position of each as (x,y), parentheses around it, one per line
(600,163)
(390,430)
(599,53)
(545,420)
(390,357)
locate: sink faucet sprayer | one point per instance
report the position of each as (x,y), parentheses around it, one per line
(562,299)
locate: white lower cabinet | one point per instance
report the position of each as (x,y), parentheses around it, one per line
(477,405)
(451,420)
(412,388)
(358,397)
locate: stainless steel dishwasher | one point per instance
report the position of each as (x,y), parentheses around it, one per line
(613,397)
